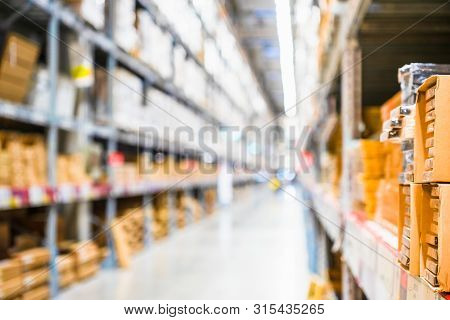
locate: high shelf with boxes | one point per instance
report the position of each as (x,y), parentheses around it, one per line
(390,201)
(84,88)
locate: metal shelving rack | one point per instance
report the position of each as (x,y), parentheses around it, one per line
(59,15)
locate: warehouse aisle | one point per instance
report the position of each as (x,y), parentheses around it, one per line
(255,249)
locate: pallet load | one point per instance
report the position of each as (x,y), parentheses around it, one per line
(35,273)
(86,257)
(210,200)
(65,264)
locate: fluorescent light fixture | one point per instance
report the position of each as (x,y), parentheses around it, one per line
(285,39)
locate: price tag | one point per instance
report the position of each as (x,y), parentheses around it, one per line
(5,197)
(36,195)
(85,191)
(66,193)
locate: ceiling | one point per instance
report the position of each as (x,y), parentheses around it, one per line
(255,22)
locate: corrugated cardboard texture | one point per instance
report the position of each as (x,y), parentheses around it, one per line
(441,141)
(444,238)
(416,209)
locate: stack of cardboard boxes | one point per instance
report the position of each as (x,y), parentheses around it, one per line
(25,275)
(23,159)
(430,192)
(86,255)
(65,264)
(18,59)
(128,232)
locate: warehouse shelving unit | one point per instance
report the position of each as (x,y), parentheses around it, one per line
(55,16)
(366,41)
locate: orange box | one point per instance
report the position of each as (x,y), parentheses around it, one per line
(432,165)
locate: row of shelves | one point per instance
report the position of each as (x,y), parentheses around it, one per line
(369,250)
(102,41)
(38,196)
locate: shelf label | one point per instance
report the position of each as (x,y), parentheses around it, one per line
(5,197)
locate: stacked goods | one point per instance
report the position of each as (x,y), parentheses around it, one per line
(432,144)
(34,268)
(23,159)
(39,96)
(125,33)
(372,159)
(65,264)
(431,204)
(432,178)
(86,257)
(71,170)
(404,239)
(126,174)
(128,232)
(160,215)
(388,192)
(210,200)
(180,199)
(17,62)
(91,11)
(10,278)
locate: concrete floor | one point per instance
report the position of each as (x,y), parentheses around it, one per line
(253,249)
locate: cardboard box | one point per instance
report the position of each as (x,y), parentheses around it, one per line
(9,269)
(432,165)
(434,255)
(35,278)
(87,270)
(33,258)
(67,278)
(11,288)
(410,233)
(39,293)
(65,263)
(16,66)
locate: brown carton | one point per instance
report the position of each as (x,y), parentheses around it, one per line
(11,288)
(35,278)
(435,256)
(9,268)
(33,258)
(437,138)
(410,232)
(39,293)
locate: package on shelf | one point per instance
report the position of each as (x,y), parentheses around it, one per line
(158,57)
(127,99)
(180,204)
(187,25)
(128,232)
(388,192)
(194,85)
(24,160)
(431,205)
(18,60)
(411,76)
(125,33)
(92,12)
(431,143)
(389,105)
(33,258)
(66,265)
(210,200)
(38,293)
(39,96)
(160,221)
(126,174)
(71,169)
(81,61)
(367,171)
(86,255)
